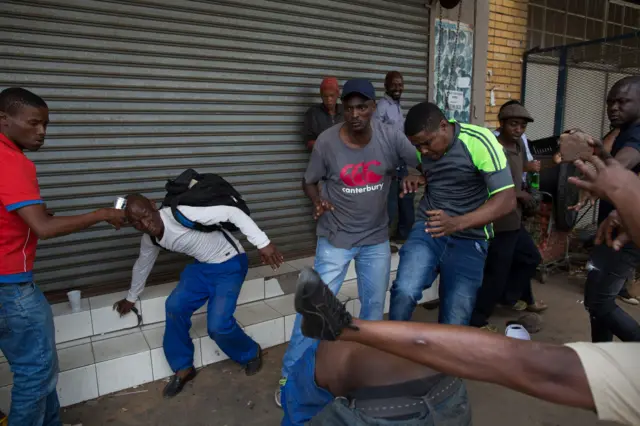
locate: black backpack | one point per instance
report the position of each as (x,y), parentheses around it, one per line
(202,190)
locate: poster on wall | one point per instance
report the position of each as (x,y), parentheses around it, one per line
(454,69)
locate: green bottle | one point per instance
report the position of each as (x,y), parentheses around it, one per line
(534,178)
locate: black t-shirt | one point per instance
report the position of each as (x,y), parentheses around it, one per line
(628,137)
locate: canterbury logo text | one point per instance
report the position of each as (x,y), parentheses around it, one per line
(359,174)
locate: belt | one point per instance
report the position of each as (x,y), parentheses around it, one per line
(407,404)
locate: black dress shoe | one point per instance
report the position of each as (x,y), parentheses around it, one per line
(255,365)
(176,384)
(323,315)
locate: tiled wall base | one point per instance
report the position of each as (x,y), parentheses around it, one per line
(101,353)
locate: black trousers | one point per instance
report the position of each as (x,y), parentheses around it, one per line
(604,282)
(511,263)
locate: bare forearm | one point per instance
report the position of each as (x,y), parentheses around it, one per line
(626,202)
(553,373)
(498,205)
(46,226)
(311,190)
(63,225)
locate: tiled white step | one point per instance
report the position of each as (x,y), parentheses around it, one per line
(100,352)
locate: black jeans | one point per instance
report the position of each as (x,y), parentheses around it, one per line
(604,281)
(511,264)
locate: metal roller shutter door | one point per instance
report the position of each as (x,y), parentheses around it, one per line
(141,90)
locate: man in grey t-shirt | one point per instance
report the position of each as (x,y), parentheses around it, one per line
(355,161)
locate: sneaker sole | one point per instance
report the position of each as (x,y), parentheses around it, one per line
(277,399)
(633,302)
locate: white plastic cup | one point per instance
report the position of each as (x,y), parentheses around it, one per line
(517,331)
(74,300)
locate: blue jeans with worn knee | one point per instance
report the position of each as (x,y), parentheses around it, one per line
(373,267)
(220,284)
(27,340)
(460,263)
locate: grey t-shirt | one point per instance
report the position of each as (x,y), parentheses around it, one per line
(356,182)
(474,168)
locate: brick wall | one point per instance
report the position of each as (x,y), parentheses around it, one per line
(507,40)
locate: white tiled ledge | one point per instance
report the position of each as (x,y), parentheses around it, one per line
(100,354)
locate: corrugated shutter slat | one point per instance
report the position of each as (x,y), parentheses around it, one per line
(141,90)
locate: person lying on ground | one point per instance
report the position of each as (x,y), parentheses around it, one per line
(332,384)
(601,377)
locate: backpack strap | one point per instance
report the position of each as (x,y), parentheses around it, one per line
(155,242)
(229,240)
(187,223)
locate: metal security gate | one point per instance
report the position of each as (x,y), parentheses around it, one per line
(566,87)
(141,90)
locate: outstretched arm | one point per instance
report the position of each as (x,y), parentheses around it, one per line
(20,193)
(139,275)
(550,372)
(46,226)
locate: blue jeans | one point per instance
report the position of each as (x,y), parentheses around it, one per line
(403,207)
(452,409)
(220,284)
(373,267)
(27,339)
(460,262)
(301,396)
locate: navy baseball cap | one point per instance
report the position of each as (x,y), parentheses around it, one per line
(360,86)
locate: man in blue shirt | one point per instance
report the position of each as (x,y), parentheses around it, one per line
(611,268)
(389,112)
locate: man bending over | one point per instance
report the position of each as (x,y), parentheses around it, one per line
(216,275)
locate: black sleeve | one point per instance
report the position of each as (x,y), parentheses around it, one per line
(308,130)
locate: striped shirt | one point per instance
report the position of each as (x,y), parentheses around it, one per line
(471,171)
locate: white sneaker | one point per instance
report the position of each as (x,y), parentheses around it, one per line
(278,393)
(516,331)
(277,396)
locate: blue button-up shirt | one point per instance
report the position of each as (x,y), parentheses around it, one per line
(389,112)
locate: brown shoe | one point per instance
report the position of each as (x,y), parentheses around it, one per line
(531,322)
(537,307)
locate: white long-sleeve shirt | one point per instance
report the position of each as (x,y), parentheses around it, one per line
(206,247)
